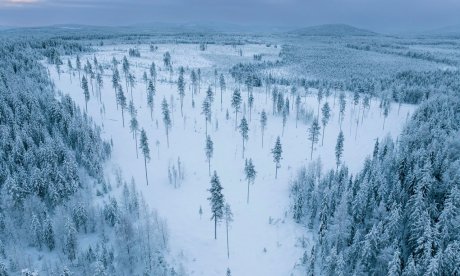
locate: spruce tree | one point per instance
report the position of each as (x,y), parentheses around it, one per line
(251,104)
(166,118)
(209,150)
(84,85)
(342,106)
(222,87)
(116,82)
(326,114)
(339,149)
(206,111)
(277,152)
(250,173)
(297,109)
(228,219)
(150,97)
(313,134)
(181,88)
(217,201)
(236,104)
(144,146)
(121,98)
(134,126)
(263,124)
(244,130)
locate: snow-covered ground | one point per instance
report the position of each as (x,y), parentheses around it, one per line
(263,238)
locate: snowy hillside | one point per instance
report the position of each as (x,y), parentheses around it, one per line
(263,238)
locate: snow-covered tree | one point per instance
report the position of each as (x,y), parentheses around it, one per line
(250,174)
(222,87)
(339,149)
(277,151)
(209,150)
(217,201)
(228,215)
(263,124)
(326,115)
(206,111)
(166,118)
(121,98)
(144,146)
(84,85)
(150,97)
(236,104)
(181,88)
(313,134)
(244,130)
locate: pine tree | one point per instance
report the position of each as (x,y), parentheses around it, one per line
(228,219)
(209,150)
(181,88)
(166,118)
(84,85)
(150,97)
(134,126)
(100,85)
(320,98)
(217,201)
(394,266)
(121,98)
(48,234)
(342,106)
(116,82)
(277,152)
(297,109)
(263,124)
(222,87)
(251,103)
(326,112)
(132,83)
(206,111)
(125,67)
(250,174)
(153,72)
(70,246)
(313,134)
(78,65)
(236,104)
(244,130)
(339,148)
(144,146)
(36,231)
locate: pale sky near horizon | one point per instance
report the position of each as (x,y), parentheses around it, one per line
(378,15)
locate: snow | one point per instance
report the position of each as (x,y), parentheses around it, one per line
(264,240)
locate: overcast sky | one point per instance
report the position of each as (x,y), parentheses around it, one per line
(378,15)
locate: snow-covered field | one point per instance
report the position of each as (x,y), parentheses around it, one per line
(263,238)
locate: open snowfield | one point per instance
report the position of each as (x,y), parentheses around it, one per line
(263,238)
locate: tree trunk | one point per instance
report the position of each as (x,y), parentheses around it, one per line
(228,250)
(276,171)
(311,155)
(145,165)
(322,138)
(135,139)
(215,227)
(247,200)
(123,116)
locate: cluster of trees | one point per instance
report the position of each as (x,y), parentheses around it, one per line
(399,215)
(51,167)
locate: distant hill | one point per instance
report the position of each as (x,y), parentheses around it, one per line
(332,30)
(448,31)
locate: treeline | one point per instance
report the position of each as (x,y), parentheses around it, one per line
(400,214)
(400,51)
(57,215)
